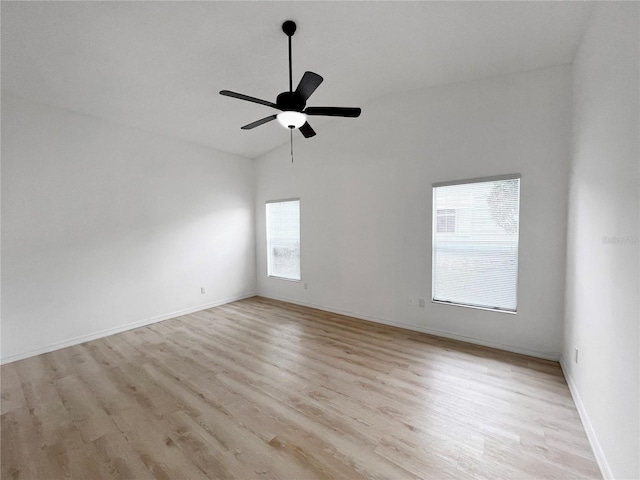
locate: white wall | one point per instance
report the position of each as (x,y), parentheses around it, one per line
(365,189)
(602,312)
(106,227)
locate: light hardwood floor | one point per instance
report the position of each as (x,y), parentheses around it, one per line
(264,389)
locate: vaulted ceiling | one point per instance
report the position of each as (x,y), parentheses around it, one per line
(159,66)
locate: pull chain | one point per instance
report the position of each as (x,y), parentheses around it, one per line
(291,132)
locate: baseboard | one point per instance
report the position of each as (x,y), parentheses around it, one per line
(607,474)
(121,328)
(430,331)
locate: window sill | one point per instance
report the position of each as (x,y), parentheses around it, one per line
(298,280)
(497,310)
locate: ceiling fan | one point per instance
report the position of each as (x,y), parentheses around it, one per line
(291,104)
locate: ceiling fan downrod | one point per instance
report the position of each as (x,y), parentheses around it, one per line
(289,28)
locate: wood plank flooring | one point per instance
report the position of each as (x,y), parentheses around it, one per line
(260,389)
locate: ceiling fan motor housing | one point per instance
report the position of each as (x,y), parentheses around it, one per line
(290,101)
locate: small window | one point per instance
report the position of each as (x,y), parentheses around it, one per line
(475,242)
(446,220)
(283,239)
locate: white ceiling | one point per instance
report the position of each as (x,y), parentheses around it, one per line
(159,66)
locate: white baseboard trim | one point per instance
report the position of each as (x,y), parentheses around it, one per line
(607,474)
(415,328)
(121,328)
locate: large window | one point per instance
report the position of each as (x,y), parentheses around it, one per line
(283,239)
(475,242)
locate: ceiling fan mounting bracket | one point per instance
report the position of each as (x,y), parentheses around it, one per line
(289,27)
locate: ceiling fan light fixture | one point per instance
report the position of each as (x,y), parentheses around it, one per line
(291,119)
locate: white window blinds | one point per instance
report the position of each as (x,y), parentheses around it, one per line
(475,242)
(283,239)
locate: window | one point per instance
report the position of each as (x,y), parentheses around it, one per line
(446,220)
(283,239)
(475,242)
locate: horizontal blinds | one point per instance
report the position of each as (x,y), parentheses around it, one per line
(475,243)
(283,239)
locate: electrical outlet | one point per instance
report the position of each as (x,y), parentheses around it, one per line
(575,356)
(410,302)
(306,286)
(421,302)
(203,290)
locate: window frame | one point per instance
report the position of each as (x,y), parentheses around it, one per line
(493,178)
(268,240)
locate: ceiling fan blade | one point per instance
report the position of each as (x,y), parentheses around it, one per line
(306,130)
(333,111)
(257,123)
(240,96)
(308,84)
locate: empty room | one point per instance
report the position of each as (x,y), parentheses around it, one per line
(309,240)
